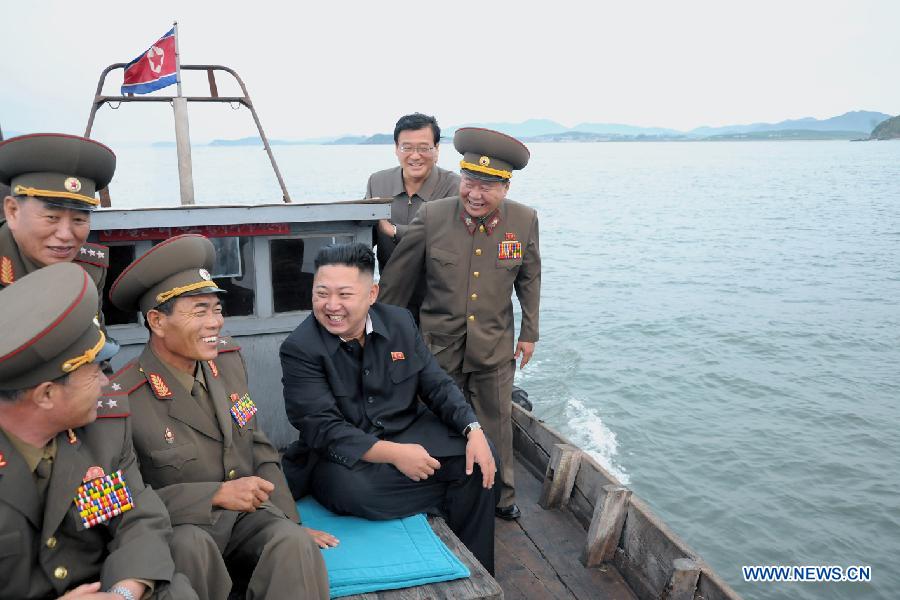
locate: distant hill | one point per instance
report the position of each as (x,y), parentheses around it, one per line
(888,129)
(525,129)
(585,136)
(619,129)
(859,120)
(788,134)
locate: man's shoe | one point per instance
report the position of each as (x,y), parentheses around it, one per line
(508,513)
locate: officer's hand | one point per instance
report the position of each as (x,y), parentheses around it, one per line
(322,538)
(386,227)
(478,451)
(525,349)
(244,494)
(414,461)
(82,591)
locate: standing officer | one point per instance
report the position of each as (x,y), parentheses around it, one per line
(74,511)
(52,179)
(197,439)
(418,179)
(475,249)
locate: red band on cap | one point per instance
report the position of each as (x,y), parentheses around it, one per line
(52,325)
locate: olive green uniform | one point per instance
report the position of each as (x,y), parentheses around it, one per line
(467,314)
(188,444)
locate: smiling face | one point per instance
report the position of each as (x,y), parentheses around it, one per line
(341,299)
(416,164)
(481,198)
(190,333)
(74,403)
(46,233)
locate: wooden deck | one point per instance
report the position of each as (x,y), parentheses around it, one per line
(537,556)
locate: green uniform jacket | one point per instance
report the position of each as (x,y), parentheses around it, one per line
(468,297)
(184,453)
(45,552)
(93,258)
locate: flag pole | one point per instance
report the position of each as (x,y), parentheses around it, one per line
(177,59)
(182,134)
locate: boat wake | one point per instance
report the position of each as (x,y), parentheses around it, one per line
(586,429)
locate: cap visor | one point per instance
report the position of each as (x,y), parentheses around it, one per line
(67,203)
(212,289)
(481,176)
(109,349)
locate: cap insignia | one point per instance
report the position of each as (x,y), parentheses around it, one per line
(7,274)
(73,184)
(205,275)
(159,386)
(101,498)
(484,161)
(213,368)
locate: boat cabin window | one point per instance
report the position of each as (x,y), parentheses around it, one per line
(120,256)
(293,268)
(231,273)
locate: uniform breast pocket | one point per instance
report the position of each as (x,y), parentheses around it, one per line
(175,457)
(445,258)
(509,254)
(11,544)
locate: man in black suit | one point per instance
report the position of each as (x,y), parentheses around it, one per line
(352,372)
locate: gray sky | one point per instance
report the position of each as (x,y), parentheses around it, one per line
(326,68)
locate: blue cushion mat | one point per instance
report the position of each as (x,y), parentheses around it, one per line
(380,555)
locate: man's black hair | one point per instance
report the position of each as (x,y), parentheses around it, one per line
(356,255)
(11,396)
(417,121)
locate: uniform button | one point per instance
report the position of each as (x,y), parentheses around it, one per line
(371,399)
(232,474)
(51,542)
(365,372)
(471,317)
(378,423)
(474,296)
(476,274)
(477,251)
(481,228)
(60,572)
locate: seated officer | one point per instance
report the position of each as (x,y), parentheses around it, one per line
(198,441)
(47,215)
(352,372)
(65,524)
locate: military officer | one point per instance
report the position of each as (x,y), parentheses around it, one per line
(475,249)
(418,179)
(52,179)
(197,439)
(74,511)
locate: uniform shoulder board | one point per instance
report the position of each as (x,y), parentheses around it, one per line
(93,254)
(228,344)
(114,400)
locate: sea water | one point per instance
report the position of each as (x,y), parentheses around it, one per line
(720,328)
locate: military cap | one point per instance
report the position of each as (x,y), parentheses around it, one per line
(66,170)
(178,266)
(489,155)
(50,327)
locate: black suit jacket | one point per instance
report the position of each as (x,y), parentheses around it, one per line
(341,410)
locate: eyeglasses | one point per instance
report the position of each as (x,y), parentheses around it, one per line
(420,149)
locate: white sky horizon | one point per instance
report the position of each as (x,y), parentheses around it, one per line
(316,70)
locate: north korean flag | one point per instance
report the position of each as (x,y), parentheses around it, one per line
(154,69)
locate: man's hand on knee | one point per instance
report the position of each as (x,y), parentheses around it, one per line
(244,494)
(478,451)
(414,461)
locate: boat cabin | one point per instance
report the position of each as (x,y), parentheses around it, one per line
(264,260)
